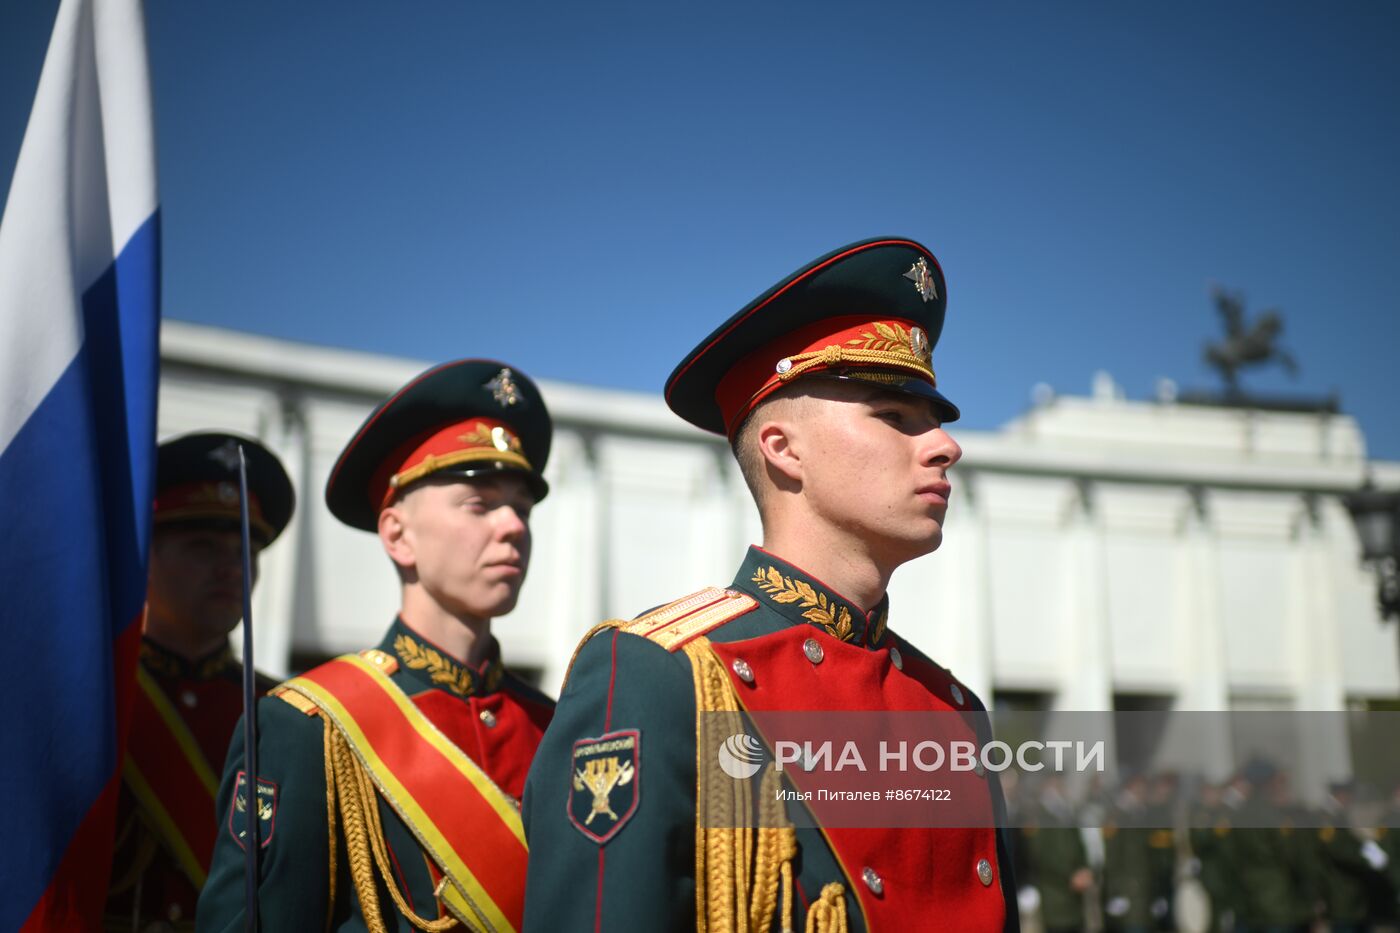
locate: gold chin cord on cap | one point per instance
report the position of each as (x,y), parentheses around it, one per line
(433,463)
(790,367)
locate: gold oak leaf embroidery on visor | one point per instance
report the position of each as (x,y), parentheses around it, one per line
(442,670)
(499,438)
(893,338)
(889,338)
(821,610)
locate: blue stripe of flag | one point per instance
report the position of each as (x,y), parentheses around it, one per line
(77,487)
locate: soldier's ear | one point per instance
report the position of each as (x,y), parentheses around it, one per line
(393,534)
(778,444)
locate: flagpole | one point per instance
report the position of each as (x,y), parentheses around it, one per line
(250,713)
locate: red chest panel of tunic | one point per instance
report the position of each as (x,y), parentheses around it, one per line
(499,731)
(924,872)
(210,709)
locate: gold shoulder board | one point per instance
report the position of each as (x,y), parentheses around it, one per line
(678,622)
(294,699)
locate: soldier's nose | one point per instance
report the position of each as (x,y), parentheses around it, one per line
(940,449)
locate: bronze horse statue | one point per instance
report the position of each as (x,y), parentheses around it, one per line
(1252,345)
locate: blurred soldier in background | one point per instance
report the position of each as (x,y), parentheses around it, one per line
(1389,838)
(189,686)
(1353,865)
(1128,892)
(1057,866)
(1160,821)
(1271,882)
(1210,844)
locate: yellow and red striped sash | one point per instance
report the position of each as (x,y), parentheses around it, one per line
(465,823)
(171,780)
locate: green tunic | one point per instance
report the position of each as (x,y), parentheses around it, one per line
(487,712)
(637,871)
(1053,852)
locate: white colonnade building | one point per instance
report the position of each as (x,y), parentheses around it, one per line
(1100,553)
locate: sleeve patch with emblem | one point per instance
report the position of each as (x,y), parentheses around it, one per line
(267,810)
(605,783)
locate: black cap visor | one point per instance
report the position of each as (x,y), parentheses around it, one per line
(533,481)
(896,382)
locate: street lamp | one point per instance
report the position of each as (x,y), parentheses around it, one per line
(1377,517)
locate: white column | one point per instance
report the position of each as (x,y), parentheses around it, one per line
(1205,680)
(722,501)
(966,600)
(1326,752)
(279,572)
(576,585)
(1201,622)
(1088,680)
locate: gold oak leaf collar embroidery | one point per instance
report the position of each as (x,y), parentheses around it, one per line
(803,599)
(166,663)
(446,672)
(820,610)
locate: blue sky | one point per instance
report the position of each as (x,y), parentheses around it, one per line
(585,190)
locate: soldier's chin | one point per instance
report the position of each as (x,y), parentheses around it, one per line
(222,615)
(499,602)
(905,549)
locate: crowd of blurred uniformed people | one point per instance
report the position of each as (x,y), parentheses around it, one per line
(1156,852)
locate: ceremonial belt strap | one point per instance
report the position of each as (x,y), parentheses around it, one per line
(466,824)
(171,780)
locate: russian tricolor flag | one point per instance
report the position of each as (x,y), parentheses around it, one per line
(79,321)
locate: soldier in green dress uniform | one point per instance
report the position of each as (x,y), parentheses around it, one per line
(388,781)
(825,389)
(189,686)
(1271,882)
(1128,874)
(1352,862)
(1163,798)
(1388,837)
(1210,844)
(1056,860)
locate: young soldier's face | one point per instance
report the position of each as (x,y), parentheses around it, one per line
(196,579)
(875,467)
(470,542)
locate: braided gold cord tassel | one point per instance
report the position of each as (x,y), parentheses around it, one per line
(739,871)
(356,844)
(777,847)
(787,889)
(364,838)
(719,896)
(381,857)
(743,852)
(828,912)
(329,746)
